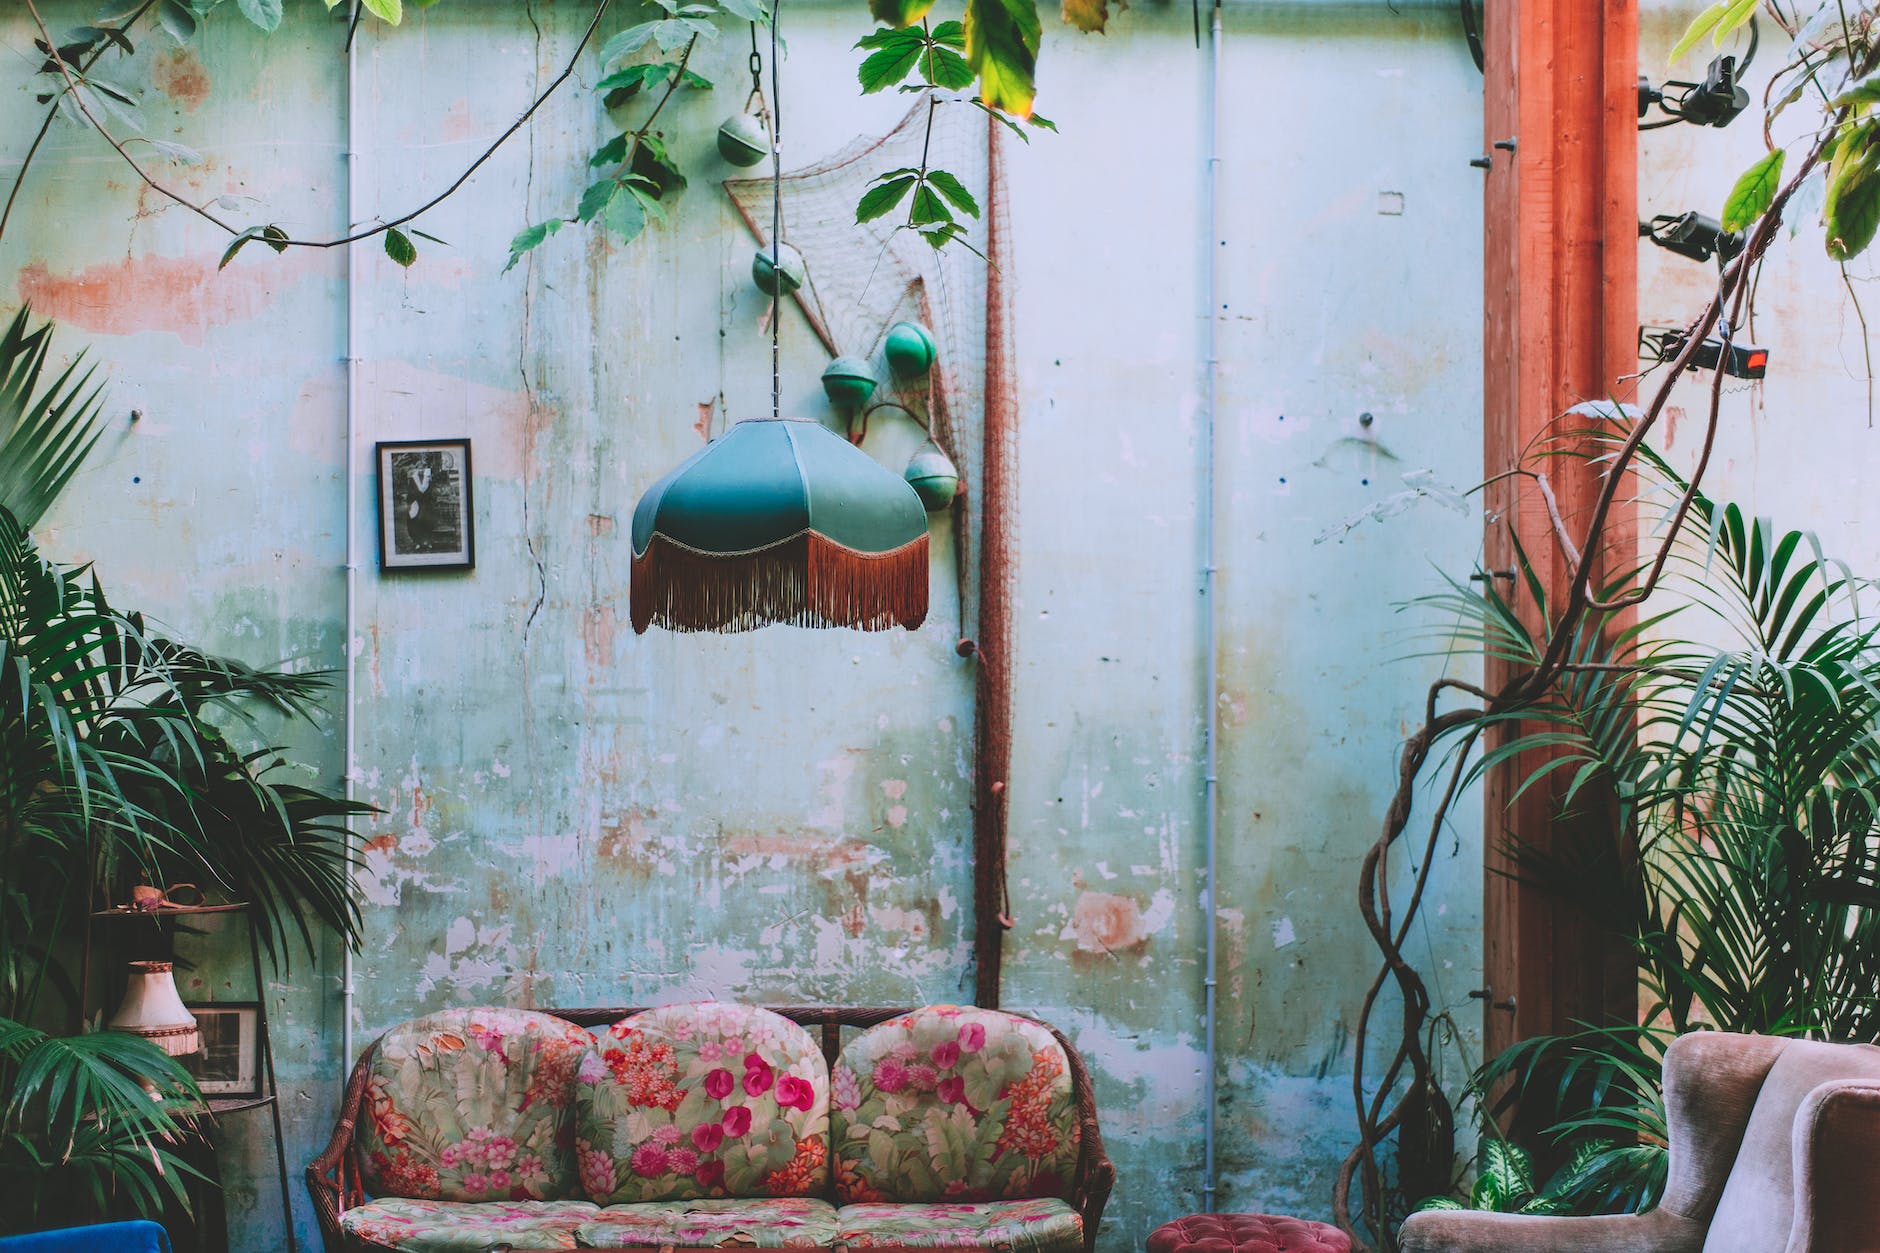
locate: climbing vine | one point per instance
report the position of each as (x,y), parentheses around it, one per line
(992,48)
(1834,59)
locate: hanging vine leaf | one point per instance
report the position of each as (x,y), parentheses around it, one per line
(954,190)
(1700,26)
(399,248)
(896,53)
(1002,47)
(880,201)
(1754,192)
(1852,210)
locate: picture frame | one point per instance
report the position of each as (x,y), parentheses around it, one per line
(229,1062)
(427,513)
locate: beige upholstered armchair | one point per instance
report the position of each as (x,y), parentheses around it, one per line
(1775,1148)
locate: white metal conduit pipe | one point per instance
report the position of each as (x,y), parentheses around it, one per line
(351,761)
(1211,714)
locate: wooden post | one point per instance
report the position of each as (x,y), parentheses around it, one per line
(1560,263)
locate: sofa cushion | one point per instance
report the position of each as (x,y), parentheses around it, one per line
(954,1104)
(783,1222)
(702,1100)
(472,1105)
(1039,1225)
(1758,1203)
(414,1226)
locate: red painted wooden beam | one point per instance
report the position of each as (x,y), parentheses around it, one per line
(1560,318)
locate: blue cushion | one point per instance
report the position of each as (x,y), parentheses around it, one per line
(137,1237)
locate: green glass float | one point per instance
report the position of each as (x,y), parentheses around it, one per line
(779,520)
(742,140)
(933,476)
(849,382)
(781,276)
(909,350)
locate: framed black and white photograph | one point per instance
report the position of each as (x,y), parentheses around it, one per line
(425,511)
(230,1061)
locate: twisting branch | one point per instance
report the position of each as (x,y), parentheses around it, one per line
(73,84)
(1386,1110)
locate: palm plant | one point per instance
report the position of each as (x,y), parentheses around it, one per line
(117,761)
(1729,752)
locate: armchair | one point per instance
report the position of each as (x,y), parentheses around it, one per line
(1775,1148)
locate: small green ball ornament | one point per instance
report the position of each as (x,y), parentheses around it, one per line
(849,382)
(933,476)
(742,140)
(909,350)
(782,277)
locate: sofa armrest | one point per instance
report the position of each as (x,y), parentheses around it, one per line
(1474,1231)
(333,1177)
(1837,1169)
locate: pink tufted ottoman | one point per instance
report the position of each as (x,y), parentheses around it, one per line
(1246,1233)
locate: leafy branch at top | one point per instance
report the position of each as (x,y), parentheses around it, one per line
(936,58)
(642,175)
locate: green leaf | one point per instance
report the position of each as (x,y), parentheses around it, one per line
(596,198)
(1754,192)
(880,201)
(955,191)
(386,10)
(947,69)
(273,236)
(1700,26)
(530,237)
(952,34)
(927,207)
(177,21)
(263,13)
(893,60)
(1862,93)
(1739,12)
(399,248)
(630,40)
(1852,208)
(613,152)
(749,10)
(1002,47)
(898,13)
(625,215)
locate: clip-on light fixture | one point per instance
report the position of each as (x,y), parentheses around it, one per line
(1661,345)
(1714,102)
(1692,235)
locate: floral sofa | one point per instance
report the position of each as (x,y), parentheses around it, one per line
(714,1125)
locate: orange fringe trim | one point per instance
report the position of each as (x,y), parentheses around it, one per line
(806,580)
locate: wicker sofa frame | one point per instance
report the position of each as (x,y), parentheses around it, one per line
(334,1181)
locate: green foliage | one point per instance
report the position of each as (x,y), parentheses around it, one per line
(118,761)
(1504,1183)
(1729,797)
(46,429)
(1754,192)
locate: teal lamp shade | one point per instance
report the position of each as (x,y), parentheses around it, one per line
(779,520)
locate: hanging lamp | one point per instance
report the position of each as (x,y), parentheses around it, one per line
(779,519)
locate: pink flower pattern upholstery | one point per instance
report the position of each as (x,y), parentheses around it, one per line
(951,1104)
(472,1105)
(1039,1225)
(703,1100)
(785,1222)
(415,1226)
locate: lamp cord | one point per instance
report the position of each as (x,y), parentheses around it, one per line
(776,219)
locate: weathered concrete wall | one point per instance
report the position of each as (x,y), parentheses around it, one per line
(575,815)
